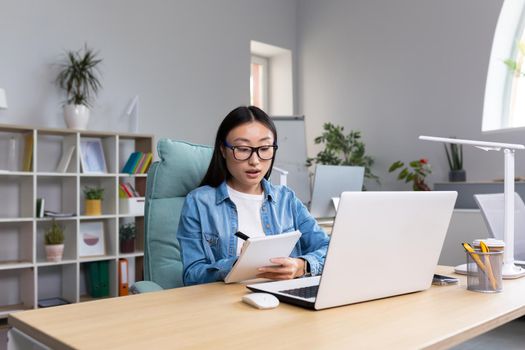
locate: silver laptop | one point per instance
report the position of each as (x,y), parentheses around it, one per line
(329,182)
(382,244)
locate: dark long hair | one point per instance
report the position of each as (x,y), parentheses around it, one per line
(217,171)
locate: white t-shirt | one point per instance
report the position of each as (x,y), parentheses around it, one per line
(249,214)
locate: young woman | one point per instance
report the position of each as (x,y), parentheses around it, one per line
(235,195)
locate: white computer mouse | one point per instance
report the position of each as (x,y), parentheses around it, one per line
(261,300)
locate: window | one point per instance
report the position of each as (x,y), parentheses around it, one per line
(515,97)
(271,85)
(504,105)
(259,82)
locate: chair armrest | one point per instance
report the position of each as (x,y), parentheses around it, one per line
(144,287)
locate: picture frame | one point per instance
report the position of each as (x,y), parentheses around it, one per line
(91,239)
(92,156)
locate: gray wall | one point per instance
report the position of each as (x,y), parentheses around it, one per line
(392,69)
(188,60)
(399,69)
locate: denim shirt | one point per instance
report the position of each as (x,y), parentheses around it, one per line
(209,220)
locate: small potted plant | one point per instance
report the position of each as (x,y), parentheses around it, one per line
(94,197)
(127,234)
(455,162)
(415,172)
(54,242)
(79,77)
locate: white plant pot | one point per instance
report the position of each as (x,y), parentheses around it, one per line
(54,252)
(76,116)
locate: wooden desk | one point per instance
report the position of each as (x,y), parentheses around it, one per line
(213,316)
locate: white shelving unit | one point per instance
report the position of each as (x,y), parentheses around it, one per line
(25,275)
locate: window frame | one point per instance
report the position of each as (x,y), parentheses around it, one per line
(498,88)
(265,63)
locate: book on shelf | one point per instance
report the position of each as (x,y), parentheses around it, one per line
(27,160)
(138,163)
(63,164)
(147,163)
(128,190)
(131,162)
(55,214)
(132,190)
(40,203)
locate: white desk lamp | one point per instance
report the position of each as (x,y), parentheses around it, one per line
(510,270)
(133,108)
(3,99)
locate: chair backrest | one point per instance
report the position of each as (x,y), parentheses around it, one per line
(492,209)
(181,168)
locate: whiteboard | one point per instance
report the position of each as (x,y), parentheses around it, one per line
(291,155)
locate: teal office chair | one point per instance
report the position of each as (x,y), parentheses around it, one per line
(181,168)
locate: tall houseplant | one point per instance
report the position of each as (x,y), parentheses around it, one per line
(79,77)
(455,162)
(341,149)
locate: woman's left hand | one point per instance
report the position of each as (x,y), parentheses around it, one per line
(287,268)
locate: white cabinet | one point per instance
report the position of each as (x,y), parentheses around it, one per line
(25,274)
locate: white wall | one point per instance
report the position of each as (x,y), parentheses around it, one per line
(188,60)
(398,69)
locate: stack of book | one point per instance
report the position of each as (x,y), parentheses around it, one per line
(126,190)
(138,163)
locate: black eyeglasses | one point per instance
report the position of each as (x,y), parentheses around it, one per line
(245,152)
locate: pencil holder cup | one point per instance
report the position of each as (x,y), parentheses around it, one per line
(484,271)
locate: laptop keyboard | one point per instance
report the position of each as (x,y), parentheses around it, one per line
(304,292)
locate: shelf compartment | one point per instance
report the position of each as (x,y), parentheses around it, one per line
(51,148)
(19,190)
(70,240)
(16,242)
(59,193)
(128,145)
(55,281)
(12,143)
(109,203)
(18,290)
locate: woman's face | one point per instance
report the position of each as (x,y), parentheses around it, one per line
(247,174)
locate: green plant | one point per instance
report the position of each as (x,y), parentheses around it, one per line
(94,192)
(455,156)
(127,232)
(79,76)
(415,172)
(341,149)
(55,234)
(516,65)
